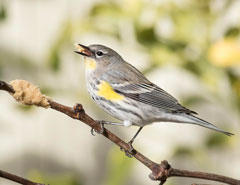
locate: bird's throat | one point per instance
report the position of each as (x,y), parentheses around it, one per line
(90,63)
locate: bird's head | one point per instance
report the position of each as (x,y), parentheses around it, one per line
(97,56)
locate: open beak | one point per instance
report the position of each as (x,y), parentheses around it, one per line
(83,50)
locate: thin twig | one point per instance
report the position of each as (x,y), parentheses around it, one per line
(6,87)
(159,172)
(17,179)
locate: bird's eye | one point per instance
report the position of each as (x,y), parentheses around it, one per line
(99,53)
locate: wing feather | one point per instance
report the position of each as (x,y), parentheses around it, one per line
(131,83)
(152,95)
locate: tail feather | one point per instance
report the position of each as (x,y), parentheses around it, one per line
(206,124)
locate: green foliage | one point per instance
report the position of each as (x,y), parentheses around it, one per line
(146,36)
(183,151)
(24,108)
(235,83)
(217,140)
(109,8)
(46,90)
(232,32)
(54,60)
(3,12)
(193,67)
(193,100)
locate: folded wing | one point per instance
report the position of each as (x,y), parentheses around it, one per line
(153,95)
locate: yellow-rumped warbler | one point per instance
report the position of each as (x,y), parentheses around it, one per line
(123,92)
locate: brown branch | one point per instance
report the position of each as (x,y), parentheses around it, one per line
(159,172)
(17,179)
(6,87)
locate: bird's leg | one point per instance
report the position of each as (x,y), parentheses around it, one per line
(130,152)
(102,123)
(110,123)
(134,137)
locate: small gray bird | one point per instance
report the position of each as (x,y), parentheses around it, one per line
(123,92)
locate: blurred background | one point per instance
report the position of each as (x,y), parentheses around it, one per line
(189,48)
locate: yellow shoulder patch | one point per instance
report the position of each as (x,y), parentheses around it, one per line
(106,91)
(90,63)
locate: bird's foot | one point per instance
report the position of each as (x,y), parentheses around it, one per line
(101,131)
(129,152)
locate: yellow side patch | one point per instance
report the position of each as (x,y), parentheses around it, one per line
(106,91)
(90,63)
